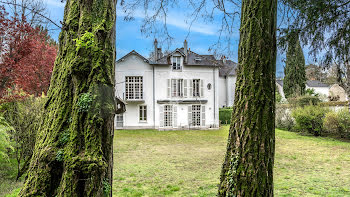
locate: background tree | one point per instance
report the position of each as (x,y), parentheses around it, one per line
(27,57)
(24,115)
(80,105)
(315,72)
(324,25)
(294,79)
(33,11)
(249,160)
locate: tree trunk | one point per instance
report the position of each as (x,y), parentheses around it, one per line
(248,166)
(73,152)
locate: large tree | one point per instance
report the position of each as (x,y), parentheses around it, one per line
(73,151)
(248,166)
(324,25)
(294,72)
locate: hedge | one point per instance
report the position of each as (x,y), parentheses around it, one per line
(225,115)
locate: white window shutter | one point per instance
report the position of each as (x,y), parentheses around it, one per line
(175,116)
(202,89)
(161,116)
(169,88)
(203,115)
(191,88)
(190,115)
(185,88)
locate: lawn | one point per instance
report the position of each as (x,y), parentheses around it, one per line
(188,163)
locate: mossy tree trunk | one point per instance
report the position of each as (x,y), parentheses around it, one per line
(73,152)
(248,166)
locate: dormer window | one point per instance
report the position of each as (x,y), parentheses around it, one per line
(176,63)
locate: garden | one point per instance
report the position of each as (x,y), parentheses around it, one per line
(187,163)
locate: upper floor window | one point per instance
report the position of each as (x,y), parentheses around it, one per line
(134,87)
(176,87)
(176,63)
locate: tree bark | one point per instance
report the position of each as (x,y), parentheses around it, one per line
(73,151)
(248,166)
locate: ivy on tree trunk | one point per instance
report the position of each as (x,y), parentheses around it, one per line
(73,152)
(248,166)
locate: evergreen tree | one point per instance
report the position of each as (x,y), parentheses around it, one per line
(248,166)
(295,77)
(73,151)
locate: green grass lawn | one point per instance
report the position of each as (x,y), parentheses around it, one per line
(188,163)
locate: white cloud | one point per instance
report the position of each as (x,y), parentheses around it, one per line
(178,20)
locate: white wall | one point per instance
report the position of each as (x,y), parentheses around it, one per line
(222,92)
(280,90)
(227,86)
(323,91)
(135,66)
(207,74)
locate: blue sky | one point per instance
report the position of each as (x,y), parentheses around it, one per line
(129,37)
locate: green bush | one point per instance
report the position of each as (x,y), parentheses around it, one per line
(302,101)
(283,119)
(331,123)
(14,193)
(5,144)
(344,121)
(338,123)
(25,117)
(225,115)
(309,119)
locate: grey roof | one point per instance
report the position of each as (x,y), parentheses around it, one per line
(280,82)
(316,83)
(193,59)
(133,52)
(228,68)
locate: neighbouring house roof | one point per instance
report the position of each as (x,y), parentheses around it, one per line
(316,84)
(133,52)
(280,82)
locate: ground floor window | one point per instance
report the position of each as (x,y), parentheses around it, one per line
(196,115)
(120,120)
(143,113)
(168,115)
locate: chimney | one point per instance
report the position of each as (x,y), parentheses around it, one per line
(185,49)
(224,60)
(159,53)
(155,52)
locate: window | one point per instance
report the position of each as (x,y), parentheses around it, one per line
(133,88)
(196,87)
(209,86)
(176,63)
(120,121)
(143,113)
(196,115)
(177,87)
(168,115)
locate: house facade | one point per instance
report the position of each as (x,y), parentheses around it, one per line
(180,90)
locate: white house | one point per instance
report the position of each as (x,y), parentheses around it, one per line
(180,90)
(320,88)
(279,86)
